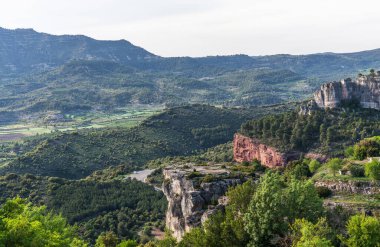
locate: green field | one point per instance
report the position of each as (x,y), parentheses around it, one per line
(123,117)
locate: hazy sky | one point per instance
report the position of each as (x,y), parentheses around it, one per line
(208,27)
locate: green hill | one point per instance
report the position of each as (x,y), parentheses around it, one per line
(323,131)
(178,131)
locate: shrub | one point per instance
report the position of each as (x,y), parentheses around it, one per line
(334,165)
(362,231)
(323,191)
(356,170)
(208,178)
(372,170)
(194,174)
(314,165)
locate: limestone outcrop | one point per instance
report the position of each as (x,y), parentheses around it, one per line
(249,149)
(365,90)
(191,201)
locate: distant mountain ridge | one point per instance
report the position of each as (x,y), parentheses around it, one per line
(40,72)
(24,50)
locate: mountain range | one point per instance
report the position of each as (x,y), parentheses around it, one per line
(40,72)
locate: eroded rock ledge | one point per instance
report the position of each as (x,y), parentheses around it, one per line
(365,90)
(190,199)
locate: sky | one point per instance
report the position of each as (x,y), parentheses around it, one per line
(208,27)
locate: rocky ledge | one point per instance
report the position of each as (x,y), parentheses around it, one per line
(249,149)
(194,193)
(365,90)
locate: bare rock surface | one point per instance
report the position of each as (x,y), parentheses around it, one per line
(365,90)
(190,200)
(249,149)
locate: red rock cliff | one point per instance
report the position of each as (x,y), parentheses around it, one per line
(248,149)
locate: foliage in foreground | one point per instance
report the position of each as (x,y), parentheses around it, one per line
(22,224)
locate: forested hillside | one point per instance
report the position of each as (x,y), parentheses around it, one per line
(323,131)
(178,131)
(121,206)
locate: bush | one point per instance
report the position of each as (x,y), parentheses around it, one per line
(366,148)
(362,231)
(372,170)
(314,165)
(356,170)
(208,178)
(323,191)
(257,166)
(194,174)
(334,165)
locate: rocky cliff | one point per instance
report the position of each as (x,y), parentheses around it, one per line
(248,149)
(190,200)
(364,90)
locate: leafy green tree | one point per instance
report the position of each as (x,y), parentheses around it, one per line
(334,165)
(265,215)
(233,227)
(168,241)
(302,201)
(314,165)
(22,224)
(307,234)
(372,170)
(363,231)
(194,238)
(128,243)
(275,205)
(108,239)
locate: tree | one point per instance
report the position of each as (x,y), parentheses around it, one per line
(372,170)
(22,224)
(314,165)
(302,201)
(363,231)
(307,234)
(233,228)
(168,241)
(194,238)
(265,215)
(130,243)
(108,239)
(334,165)
(275,205)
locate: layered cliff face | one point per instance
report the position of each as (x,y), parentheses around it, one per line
(249,149)
(191,201)
(365,90)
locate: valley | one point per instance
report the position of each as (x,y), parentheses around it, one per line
(127,148)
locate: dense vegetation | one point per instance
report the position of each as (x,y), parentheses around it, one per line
(81,86)
(177,131)
(281,211)
(323,130)
(22,224)
(124,207)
